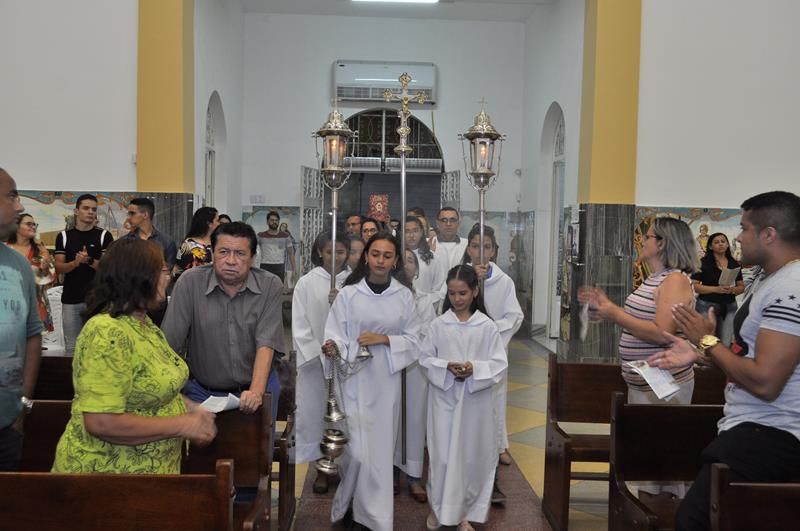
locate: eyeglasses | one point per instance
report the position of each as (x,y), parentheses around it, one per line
(651,236)
(31,224)
(448,221)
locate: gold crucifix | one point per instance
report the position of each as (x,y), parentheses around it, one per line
(404,98)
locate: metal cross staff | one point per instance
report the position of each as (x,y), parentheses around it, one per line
(401,151)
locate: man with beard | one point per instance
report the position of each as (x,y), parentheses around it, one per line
(759,435)
(275,246)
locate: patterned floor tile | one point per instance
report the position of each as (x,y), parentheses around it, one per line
(514,386)
(519,420)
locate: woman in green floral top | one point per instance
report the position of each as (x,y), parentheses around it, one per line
(128,415)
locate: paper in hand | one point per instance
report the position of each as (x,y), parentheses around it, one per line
(728,276)
(660,380)
(583,321)
(217,404)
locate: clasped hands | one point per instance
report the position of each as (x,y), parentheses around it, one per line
(460,370)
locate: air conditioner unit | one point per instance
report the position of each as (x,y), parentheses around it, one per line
(366,80)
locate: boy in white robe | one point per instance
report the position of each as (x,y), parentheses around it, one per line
(463,357)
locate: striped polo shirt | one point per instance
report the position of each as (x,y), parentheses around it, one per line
(642,305)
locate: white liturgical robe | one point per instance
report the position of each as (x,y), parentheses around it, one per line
(309,312)
(500,299)
(463,452)
(371,396)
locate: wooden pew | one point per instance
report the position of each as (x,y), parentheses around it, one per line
(654,443)
(35,501)
(581,392)
(739,506)
(43,427)
(248,440)
(55,379)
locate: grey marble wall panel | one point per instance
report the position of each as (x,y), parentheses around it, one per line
(605,260)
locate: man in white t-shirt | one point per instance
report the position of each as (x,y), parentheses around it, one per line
(759,434)
(448,242)
(275,246)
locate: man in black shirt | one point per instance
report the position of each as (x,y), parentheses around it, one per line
(77,252)
(141,211)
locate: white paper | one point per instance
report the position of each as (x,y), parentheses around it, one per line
(660,380)
(216,404)
(728,276)
(584,322)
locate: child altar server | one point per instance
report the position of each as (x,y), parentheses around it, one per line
(464,357)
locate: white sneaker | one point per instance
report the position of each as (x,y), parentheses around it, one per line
(432,523)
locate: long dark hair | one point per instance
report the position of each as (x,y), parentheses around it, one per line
(476,231)
(361,270)
(424,249)
(37,251)
(470,277)
(320,241)
(203,217)
(709,261)
(127,278)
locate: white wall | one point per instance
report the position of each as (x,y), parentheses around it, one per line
(553,73)
(287,90)
(68,105)
(718,107)
(218,66)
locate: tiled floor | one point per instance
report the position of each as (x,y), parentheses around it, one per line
(527,401)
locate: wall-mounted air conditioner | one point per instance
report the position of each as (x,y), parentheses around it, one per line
(366,80)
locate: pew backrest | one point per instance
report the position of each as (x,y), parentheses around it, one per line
(55,379)
(33,501)
(44,425)
(739,506)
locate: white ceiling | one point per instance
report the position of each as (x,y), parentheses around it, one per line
(490,10)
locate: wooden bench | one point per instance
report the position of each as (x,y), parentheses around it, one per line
(739,506)
(35,501)
(248,440)
(43,427)
(55,379)
(581,392)
(654,443)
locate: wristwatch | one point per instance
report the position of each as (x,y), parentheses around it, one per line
(707,342)
(27,403)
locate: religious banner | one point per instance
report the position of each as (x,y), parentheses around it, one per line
(379,207)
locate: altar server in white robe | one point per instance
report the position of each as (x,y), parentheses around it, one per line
(310,304)
(375,308)
(433,266)
(500,298)
(416,393)
(464,357)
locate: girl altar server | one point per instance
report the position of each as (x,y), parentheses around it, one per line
(310,304)
(432,269)
(500,298)
(376,309)
(464,358)
(416,392)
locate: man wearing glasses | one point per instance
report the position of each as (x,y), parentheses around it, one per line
(78,251)
(448,242)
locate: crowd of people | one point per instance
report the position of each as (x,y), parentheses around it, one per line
(157,328)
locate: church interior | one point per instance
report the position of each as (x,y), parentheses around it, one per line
(612,112)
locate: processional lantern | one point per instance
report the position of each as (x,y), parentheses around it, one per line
(481,140)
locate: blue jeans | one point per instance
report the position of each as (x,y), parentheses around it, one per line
(71,322)
(197,392)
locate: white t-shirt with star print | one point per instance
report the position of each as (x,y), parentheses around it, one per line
(774,305)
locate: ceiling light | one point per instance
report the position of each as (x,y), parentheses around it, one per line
(401,1)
